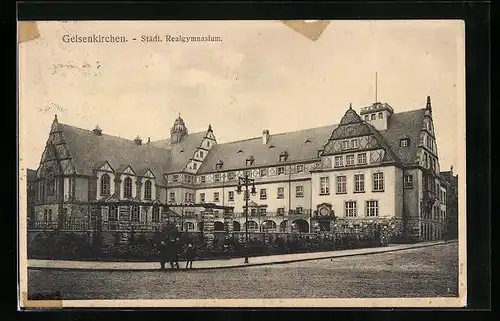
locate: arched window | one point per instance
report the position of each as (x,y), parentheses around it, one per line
(127,188)
(147,190)
(189,226)
(253,226)
(156,214)
(105,185)
(135,213)
(269,225)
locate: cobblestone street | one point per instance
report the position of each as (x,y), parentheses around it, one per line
(423,272)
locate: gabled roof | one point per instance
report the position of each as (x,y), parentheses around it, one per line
(301,145)
(89,149)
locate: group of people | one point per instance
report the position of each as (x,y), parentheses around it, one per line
(171,250)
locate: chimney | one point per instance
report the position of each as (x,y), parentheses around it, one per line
(149,140)
(265,136)
(451,170)
(97,131)
(138,140)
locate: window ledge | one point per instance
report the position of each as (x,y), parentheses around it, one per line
(378,191)
(323,194)
(359,192)
(341,193)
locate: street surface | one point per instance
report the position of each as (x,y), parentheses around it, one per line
(423,272)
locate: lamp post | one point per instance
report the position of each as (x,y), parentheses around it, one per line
(246,181)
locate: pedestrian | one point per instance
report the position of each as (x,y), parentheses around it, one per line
(163,253)
(177,252)
(190,254)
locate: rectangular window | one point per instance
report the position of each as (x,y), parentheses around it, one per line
(195,165)
(280,211)
(175,178)
(156,214)
(362,159)
(186,197)
(354,143)
(299,191)
(281,170)
(300,168)
(230,196)
(380,115)
(217,177)
(202,179)
(345,144)
(367,118)
(324,186)
(262,211)
(378,182)
(202,197)
(263,172)
(201,153)
(404,142)
(373,117)
(349,160)
(299,210)
(359,183)
(371,208)
(281,192)
(341,185)
(216,197)
(263,194)
(339,161)
(408,181)
(350,209)
(172,197)
(253,212)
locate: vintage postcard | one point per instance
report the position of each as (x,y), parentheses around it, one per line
(242,164)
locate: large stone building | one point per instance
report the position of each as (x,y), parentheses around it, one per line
(372,166)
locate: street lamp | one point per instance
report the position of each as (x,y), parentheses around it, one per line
(246,182)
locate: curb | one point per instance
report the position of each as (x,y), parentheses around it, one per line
(236,265)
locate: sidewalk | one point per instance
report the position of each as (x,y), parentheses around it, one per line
(220,264)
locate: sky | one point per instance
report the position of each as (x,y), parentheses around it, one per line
(262,75)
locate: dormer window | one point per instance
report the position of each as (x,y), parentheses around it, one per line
(405,142)
(239,151)
(320,151)
(308,140)
(283,156)
(250,161)
(201,154)
(373,117)
(219,165)
(175,178)
(272,146)
(367,118)
(380,115)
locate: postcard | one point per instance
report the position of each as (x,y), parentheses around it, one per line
(242,163)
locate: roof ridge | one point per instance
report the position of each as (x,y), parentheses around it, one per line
(277,134)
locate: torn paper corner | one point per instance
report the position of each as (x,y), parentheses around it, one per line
(27,30)
(312,29)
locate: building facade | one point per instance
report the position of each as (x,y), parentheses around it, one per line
(373,166)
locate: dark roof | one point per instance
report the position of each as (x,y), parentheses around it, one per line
(182,152)
(400,125)
(404,125)
(89,151)
(302,145)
